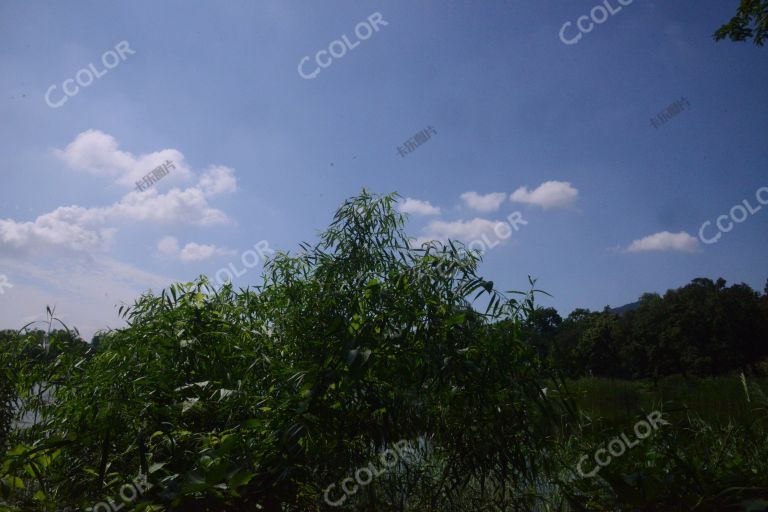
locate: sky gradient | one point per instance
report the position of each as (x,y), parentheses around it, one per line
(521,122)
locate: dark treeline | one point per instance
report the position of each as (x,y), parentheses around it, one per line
(703,328)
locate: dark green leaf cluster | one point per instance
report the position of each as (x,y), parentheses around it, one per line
(750,22)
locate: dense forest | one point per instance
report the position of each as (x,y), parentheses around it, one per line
(274,397)
(704,328)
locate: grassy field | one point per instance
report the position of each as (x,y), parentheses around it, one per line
(717,400)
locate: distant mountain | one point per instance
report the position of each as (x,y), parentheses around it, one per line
(626,307)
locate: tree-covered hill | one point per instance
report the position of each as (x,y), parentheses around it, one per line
(703,328)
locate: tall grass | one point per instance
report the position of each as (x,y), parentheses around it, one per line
(716,400)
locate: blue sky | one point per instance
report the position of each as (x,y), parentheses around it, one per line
(558,132)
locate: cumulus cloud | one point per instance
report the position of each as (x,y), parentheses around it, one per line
(465,231)
(169,246)
(665,241)
(217,180)
(80,228)
(550,194)
(418,207)
(484,203)
(199,252)
(97,153)
(196,252)
(52,229)
(176,206)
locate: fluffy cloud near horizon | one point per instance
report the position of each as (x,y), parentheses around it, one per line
(484,203)
(465,231)
(81,228)
(548,195)
(84,289)
(418,207)
(192,251)
(665,242)
(55,229)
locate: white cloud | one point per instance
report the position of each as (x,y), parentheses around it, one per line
(80,228)
(198,252)
(418,207)
(97,153)
(465,231)
(665,241)
(484,203)
(188,206)
(52,229)
(217,180)
(169,246)
(550,194)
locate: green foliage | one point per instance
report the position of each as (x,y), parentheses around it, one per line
(704,328)
(750,22)
(689,465)
(260,398)
(233,400)
(717,400)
